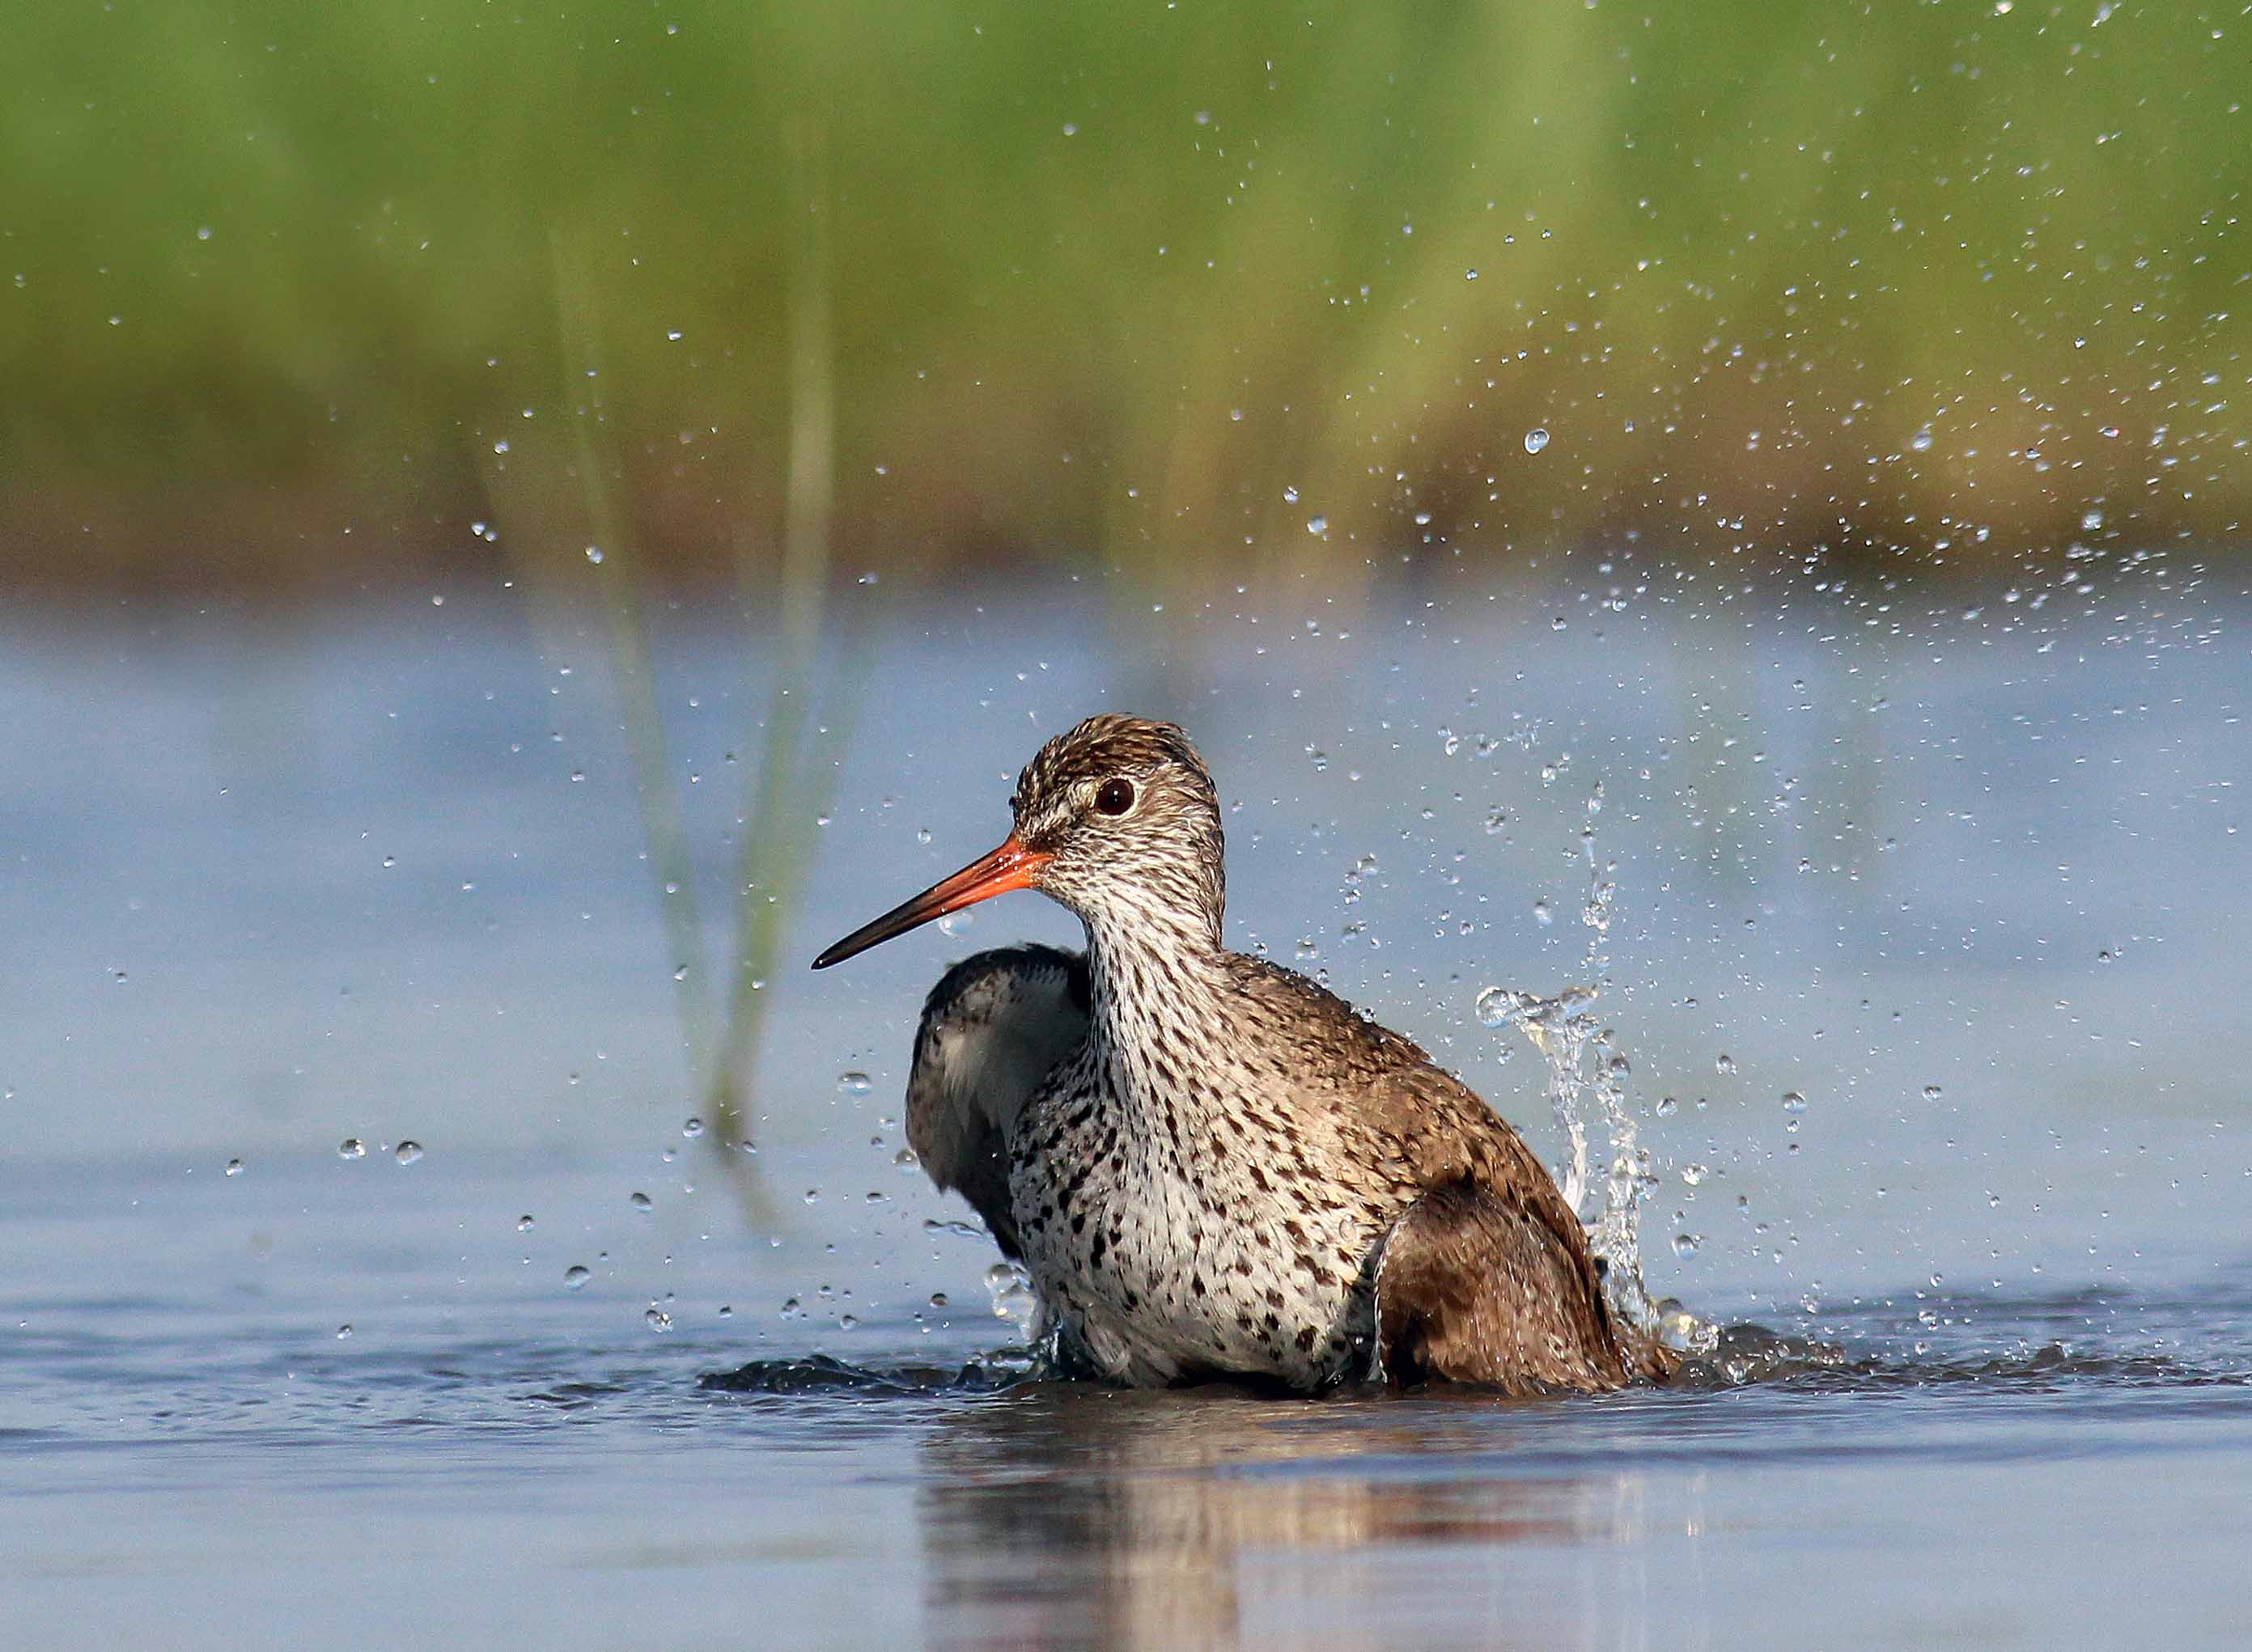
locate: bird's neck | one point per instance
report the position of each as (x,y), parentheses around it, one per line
(1158,1001)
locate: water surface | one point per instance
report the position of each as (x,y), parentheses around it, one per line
(1972,887)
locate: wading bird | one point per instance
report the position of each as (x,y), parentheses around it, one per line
(1210,1166)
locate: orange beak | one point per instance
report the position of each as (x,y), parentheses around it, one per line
(1011,866)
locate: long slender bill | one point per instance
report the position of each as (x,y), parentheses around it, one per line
(1011,866)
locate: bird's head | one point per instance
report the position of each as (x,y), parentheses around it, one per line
(1117,820)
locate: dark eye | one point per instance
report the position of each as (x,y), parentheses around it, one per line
(1116,798)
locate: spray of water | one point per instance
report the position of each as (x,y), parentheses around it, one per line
(1587,1075)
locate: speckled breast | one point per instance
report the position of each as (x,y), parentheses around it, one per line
(1165,1249)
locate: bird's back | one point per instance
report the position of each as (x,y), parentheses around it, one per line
(1486,1274)
(1394,1103)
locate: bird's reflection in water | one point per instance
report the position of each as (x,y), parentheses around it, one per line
(1072,1516)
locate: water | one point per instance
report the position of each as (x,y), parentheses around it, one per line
(1972,891)
(489,1452)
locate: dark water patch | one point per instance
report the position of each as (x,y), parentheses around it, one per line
(1749,1356)
(822,1374)
(578,1396)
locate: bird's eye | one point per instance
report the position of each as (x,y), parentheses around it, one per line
(1116,798)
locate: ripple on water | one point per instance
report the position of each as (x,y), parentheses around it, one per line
(1745,1355)
(821,1374)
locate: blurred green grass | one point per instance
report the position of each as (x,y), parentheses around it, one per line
(1142,286)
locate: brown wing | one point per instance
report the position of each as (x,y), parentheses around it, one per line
(1473,1288)
(1485,1276)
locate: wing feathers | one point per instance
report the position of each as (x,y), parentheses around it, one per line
(1473,1288)
(993,1029)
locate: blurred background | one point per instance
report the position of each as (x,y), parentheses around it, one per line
(522,524)
(304,303)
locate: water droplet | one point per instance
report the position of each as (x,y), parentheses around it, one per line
(1011,1290)
(853,1082)
(352,1147)
(847,1321)
(1694,1175)
(1667,1106)
(408,1152)
(954,922)
(938,1299)
(692,1128)
(2090,521)
(1499,1006)
(640,1201)
(1684,1245)
(1540,911)
(574,1277)
(524,1223)
(1724,1063)
(1793,1102)
(922,834)
(1920,442)
(1317,525)
(1931,1093)
(342,1331)
(594,553)
(813,1195)
(1536,438)
(658,1320)
(234,1167)
(1308,950)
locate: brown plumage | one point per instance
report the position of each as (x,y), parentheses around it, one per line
(1209,1164)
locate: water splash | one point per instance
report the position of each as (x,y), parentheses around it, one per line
(1587,1075)
(1014,1299)
(1560,1029)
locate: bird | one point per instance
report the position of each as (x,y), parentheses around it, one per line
(1210,1167)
